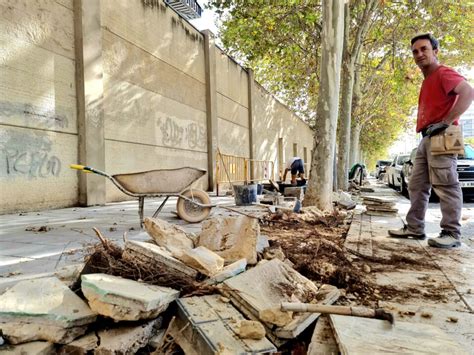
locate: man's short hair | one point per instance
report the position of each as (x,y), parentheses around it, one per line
(428,36)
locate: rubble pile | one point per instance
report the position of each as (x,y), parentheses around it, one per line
(217,292)
(380,206)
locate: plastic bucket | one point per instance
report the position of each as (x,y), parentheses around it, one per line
(245,194)
(259,189)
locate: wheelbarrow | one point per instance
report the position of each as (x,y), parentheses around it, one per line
(193,205)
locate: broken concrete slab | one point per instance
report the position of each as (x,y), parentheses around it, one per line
(204,260)
(158,256)
(123,299)
(269,284)
(125,339)
(169,236)
(275,316)
(213,328)
(228,272)
(43,309)
(32,348)
(233,238)
(82,345)
(262,243)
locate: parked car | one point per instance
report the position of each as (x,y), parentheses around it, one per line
(465,172)
(394,170)
(380,167)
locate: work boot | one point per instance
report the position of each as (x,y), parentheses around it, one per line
(405,232)
(445,240)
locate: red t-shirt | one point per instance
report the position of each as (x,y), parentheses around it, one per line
(437,96)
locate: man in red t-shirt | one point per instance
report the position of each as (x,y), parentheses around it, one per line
(444,96)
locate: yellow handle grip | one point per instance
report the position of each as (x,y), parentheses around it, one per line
(80,167)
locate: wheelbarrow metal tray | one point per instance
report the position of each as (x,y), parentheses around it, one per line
(163,181)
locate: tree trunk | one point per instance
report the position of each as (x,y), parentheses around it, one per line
(355,136)
(319,191)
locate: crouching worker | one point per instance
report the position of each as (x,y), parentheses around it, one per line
(296,166)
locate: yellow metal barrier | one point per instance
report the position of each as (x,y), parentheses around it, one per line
(231,169)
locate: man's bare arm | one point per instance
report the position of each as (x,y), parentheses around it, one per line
(465,96)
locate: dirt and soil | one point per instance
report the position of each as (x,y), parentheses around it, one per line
(316,247)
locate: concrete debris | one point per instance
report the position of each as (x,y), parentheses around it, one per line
(233,238)
(168,236)
(122,299)
(228,272)
(82,345)
(157,255)
(43,309)
(125,339)
(275,316)
(204,260)
(32,348)
(250,329)
(209,326)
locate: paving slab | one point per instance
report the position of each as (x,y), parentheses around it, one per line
(211,326)
(357,335)
(43,309)
(122,299)
(322,340)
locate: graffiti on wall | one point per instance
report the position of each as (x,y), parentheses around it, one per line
(33,114)
(30,155)
(178,134)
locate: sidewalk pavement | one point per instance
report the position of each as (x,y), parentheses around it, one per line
(435,286)
(440,287)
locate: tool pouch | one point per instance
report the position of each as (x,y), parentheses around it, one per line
(450,141)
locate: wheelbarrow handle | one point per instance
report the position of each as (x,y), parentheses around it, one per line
(88,169)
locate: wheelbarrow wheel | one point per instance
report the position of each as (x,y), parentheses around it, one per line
(191,212)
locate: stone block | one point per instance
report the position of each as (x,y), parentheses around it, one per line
(204,260)
(43,309)
(233,238)
(81,346)
(158,256)
(122,299)
(168,236)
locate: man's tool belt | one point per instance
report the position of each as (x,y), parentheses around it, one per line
(449,141)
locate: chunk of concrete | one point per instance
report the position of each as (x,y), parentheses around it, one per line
(123,299)
(43,309)
(233,238)
(228,272)
(168,236)
(125,340)
(158,256)
(213,328)
(204,260)
(275,252)
(262,243)
(32,348)
(250,329)
(275,316)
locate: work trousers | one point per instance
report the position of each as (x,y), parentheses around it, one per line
(440,173)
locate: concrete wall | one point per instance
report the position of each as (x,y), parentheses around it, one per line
(154,90)
(38,127)
(156,74)
(274,122)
